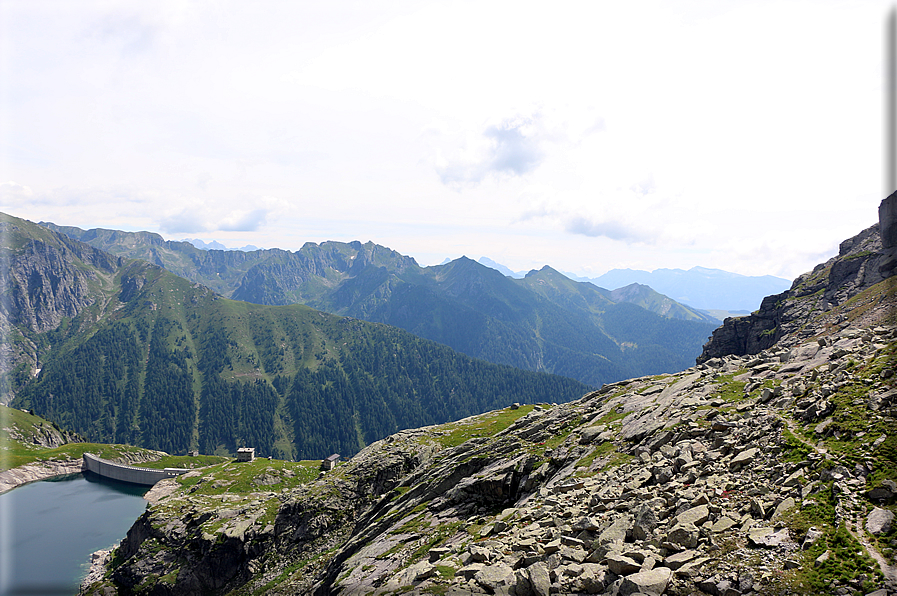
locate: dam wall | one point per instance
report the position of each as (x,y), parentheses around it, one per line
(123,473)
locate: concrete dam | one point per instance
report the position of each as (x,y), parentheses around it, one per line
(124,473)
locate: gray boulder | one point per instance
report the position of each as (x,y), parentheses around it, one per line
(539,579)
(685,535)
(497,578)
(696,515)
(650,583)
(879,521)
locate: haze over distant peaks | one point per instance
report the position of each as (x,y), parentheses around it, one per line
(699,287)
(215,245)
(487,262)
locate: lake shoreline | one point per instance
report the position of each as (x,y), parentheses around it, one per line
(33,472)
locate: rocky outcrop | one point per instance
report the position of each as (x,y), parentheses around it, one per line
(816,300)
(47,279)
(42,434)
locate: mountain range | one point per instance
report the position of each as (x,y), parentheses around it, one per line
(712,290)
(543,322)
(122,350)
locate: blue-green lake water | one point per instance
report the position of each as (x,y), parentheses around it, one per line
(48,530)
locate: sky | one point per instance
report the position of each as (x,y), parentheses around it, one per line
(739,135)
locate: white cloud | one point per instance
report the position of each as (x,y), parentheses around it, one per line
(614,230)
(189,220)
(205,216)
(513,147)
(10,191)
(669,134)
(243,221)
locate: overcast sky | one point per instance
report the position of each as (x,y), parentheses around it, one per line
(739,135)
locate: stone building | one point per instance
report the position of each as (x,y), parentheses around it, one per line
(329,463)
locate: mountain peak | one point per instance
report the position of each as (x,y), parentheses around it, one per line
(499,267)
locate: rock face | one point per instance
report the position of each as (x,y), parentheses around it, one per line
(822,293)
(43,434)
(887,222)
(45,280)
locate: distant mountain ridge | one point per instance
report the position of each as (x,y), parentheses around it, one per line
(500,268)
(121,350)
(699,287)
(706,290)
(215,245)
(543,322)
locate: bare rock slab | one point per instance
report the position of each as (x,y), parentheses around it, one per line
(651,583)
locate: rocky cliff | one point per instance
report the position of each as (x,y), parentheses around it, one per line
(47,277)
(806,308)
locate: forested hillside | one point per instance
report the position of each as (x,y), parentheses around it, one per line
(544,322)
(157,361)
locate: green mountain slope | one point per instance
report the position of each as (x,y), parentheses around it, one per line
(545,322)
(656,302)
(161,362)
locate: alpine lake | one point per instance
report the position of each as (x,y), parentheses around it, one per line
(49,528)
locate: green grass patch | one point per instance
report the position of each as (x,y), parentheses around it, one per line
(847,562)
(262,474)
(389,553)
(556,441)
(610,417)
(415,525)
(439,535)
(852,417)
(169,578)
(486,425)
(617,460)
(185,461)
(585,463)
(13,455)
(729,389)
(794,450)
